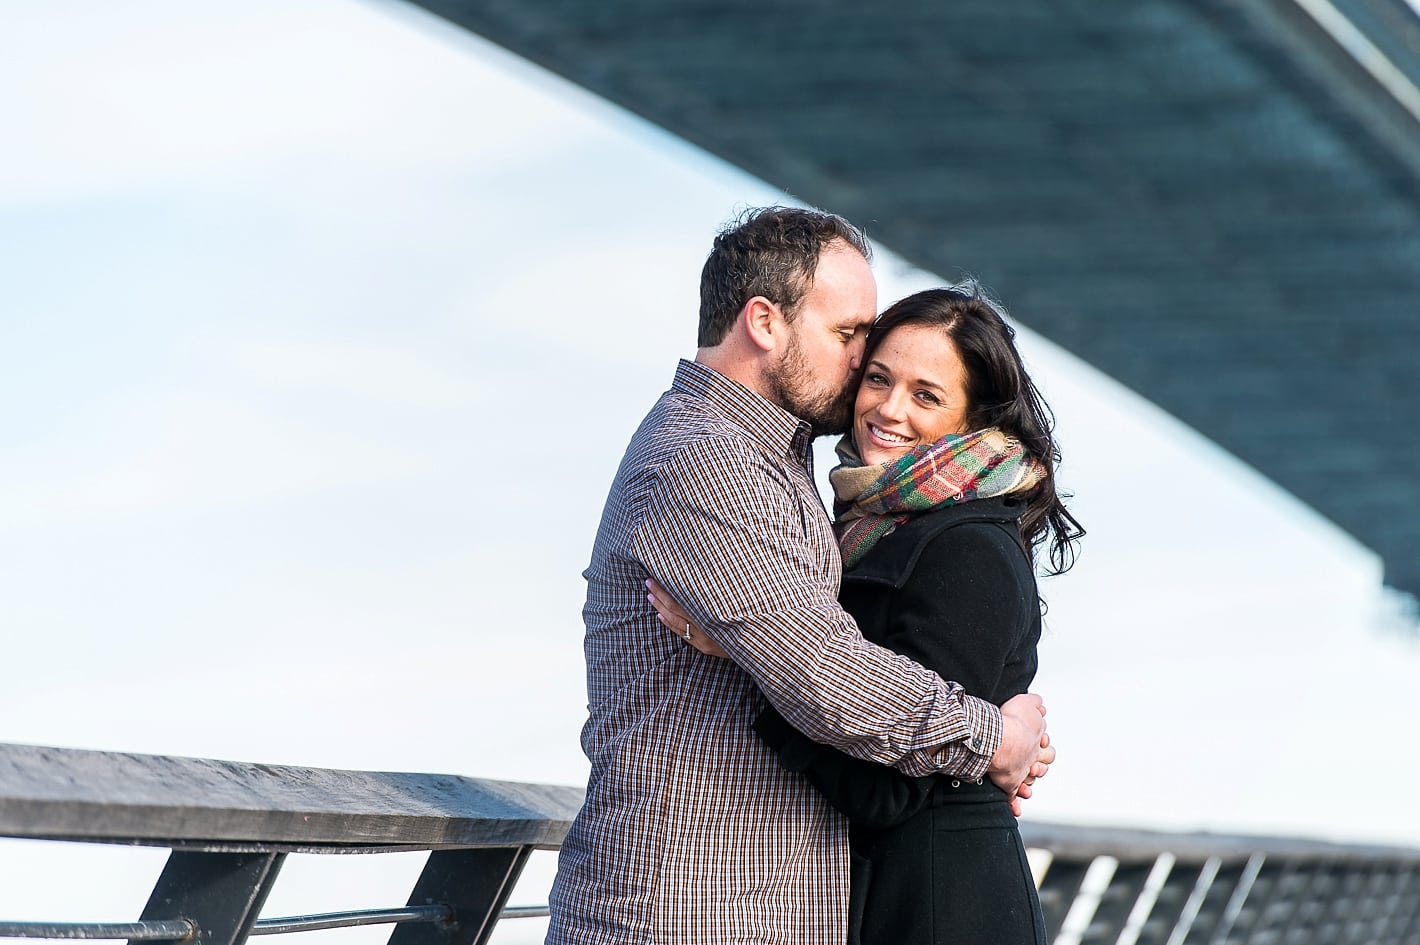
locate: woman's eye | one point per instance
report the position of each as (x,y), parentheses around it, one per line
(873,377)
(927,397)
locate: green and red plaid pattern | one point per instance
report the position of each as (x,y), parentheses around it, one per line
(870,501)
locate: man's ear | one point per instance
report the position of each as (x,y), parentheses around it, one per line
(764,323)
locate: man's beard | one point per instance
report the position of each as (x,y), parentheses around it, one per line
(827,413)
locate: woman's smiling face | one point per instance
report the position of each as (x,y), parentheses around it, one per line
(913,392)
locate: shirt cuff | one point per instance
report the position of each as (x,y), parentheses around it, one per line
(970,757)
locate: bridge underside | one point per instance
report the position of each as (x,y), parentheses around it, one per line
(1213,201)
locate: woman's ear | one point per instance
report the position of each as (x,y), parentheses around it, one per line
(764,322)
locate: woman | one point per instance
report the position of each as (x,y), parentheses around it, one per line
(945,492)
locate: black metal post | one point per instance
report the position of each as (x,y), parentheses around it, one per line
(1406,919)
(1175,894)
(1301,902)
(1216,882)
(474,883)
(220,893)
(1250,902)
(1059,889)
(1116,903)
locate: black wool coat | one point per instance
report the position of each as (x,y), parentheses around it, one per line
(936,859)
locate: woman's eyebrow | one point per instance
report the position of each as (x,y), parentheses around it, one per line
(922,381)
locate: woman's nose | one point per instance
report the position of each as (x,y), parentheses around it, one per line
(893,405)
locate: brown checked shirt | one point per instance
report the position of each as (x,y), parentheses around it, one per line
(691,831)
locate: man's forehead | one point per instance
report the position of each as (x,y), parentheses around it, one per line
(844,268)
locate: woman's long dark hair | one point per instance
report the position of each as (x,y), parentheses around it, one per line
(999,394)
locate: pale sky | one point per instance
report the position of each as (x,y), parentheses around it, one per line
(324,325)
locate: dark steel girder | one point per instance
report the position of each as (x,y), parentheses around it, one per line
(1216,202)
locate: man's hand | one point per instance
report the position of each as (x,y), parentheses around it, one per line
(1025,752)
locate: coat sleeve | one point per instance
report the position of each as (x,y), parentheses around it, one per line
(968,611)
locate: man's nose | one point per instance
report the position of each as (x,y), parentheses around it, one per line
(855,359)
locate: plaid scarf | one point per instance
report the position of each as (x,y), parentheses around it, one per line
(871,501)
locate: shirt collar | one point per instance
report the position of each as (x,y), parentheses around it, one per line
(773,427)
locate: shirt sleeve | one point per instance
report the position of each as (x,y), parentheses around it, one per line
(869,795)
(967,609)
(725,532)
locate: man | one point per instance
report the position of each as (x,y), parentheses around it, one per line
(691,831)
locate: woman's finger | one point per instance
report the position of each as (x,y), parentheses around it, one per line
(668,616)
(664,602)
(674,618)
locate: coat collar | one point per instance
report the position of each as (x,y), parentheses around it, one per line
(891,561)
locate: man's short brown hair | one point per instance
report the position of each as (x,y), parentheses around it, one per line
(771,252)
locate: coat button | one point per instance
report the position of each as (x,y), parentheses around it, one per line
(956,784)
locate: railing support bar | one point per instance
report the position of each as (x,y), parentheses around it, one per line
(474,883)
(220,893)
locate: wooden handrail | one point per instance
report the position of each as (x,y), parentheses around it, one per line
(69,794)
(231,824)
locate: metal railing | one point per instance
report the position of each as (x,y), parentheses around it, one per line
(1135,887)
(229,827)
